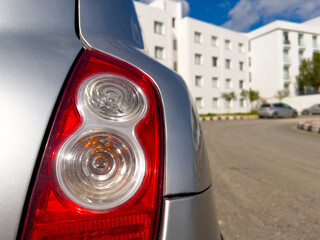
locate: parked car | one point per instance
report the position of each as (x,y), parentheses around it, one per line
(98,141)
(313,110)
(276,110)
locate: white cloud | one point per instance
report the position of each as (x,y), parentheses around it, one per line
(248,12)
(242,16)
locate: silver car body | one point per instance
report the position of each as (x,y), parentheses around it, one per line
(276,110)
(39,44)
(314,109)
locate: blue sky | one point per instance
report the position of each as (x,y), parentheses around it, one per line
(246,15)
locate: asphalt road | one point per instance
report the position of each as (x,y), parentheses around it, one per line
(266,175)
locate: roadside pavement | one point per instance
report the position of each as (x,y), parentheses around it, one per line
(310,125)
(230,117)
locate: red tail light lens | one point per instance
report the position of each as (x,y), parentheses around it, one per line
(270,108)
(101,172)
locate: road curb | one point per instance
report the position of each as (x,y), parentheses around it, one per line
(224,118)
(311,126)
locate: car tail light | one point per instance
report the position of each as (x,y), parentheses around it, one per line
(270,108)
(101,173)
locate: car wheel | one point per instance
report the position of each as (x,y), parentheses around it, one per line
(294,115)
(275,115)
(260,116)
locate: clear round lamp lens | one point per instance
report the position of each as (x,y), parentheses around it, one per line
(114,98)
(99,171)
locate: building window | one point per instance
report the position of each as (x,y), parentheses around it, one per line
(241,102)
(159,52)
(158,27)
(300,55)
(215,103)
(249,61)
(199,102)
(198,81)
(197,37)
(241,66)
(228,64)
(214,61)
(227,44)
(286,87)
(285,38)
(197,59)
(175,66)
(241,82)
(173,22)
(300,39)
(250,76)
(241,47)
(286,72)
(286,55)
(314,41)
(228,83)
(174,44)
(215,82)
(214,41)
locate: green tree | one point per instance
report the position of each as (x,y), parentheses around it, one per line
(305,73)
(309,73)
(281,94)
(253,95)
(245,95)
(250,95)
(228,97)
(316,71)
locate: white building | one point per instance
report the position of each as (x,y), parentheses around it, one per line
(276,51)
(214,60)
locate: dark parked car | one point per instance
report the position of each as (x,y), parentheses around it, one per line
(276,110)
(98,140)
(313,110)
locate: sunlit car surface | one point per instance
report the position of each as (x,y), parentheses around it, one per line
(98,141)
(313,110)
(276,110)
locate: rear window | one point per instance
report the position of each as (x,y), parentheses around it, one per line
(265,105)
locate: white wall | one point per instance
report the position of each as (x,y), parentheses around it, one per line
(313,22)
(299,102)
(147,16)
(186,67)
(265,64)
(267,55)
(183,32)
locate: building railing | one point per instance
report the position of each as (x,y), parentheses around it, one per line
(287,78)
(286,42)
(286,60)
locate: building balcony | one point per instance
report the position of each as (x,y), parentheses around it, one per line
(316,49)
(287,79)
(286,43)
(286,61)
(302,45)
